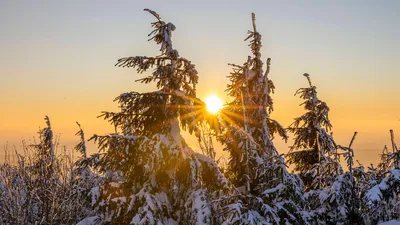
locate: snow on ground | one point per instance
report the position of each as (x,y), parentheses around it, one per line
(88,221)
(391,222)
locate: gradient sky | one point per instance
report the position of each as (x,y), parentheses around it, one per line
(57,59)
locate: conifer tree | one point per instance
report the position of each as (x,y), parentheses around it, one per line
(313,151)
(152,175)
(265,193)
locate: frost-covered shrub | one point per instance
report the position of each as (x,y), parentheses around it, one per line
(42,187)
(383,199)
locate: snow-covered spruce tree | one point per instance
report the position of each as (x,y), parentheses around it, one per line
(383,198)
(265,192)
(152,175)
(314,149)
(315,158)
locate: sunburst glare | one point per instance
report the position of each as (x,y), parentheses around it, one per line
(214,104)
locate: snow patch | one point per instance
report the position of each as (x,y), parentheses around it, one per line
(391,222)
(89,221)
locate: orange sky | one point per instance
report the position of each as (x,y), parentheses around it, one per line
(58,60)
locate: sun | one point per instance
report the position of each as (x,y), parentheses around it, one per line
(214,104)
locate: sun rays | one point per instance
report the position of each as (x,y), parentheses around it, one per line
(214,104)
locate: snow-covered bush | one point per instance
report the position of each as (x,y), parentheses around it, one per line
(42,187)
(336,204)
(382,200)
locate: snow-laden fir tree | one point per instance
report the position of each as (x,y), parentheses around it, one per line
(315,157)
(152,175)
(265,192)
(313,150)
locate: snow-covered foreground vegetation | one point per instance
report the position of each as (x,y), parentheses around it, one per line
(146,173)
(391,222)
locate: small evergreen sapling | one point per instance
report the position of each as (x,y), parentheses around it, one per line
(313,151)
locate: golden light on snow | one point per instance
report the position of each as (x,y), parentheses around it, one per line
(214,104)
